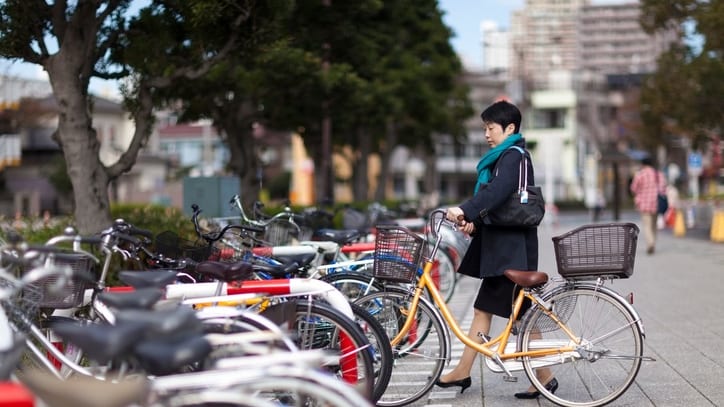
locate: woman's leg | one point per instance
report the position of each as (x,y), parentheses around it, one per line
(648,221)
(480,324)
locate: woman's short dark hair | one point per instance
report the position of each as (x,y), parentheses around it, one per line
(503,113)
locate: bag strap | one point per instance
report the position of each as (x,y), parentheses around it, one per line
(522,174)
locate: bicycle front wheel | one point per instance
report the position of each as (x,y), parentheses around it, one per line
(605,362)
(421,356)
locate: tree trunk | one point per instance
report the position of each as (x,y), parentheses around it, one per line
(360,177)
(385,152)
(243,160)
(79,143)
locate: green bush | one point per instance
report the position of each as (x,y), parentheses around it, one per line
(154,218)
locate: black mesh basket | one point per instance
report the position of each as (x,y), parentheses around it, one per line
(398,252)
(61,291)
(598,250)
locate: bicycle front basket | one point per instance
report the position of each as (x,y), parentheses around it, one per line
(60,292)
(398,252)
(598,250)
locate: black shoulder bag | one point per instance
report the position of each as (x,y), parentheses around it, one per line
(524,208)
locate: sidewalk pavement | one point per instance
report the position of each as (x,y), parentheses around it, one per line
(677,292)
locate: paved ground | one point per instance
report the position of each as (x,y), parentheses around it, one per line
(677,292)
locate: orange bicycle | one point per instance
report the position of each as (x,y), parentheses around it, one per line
(586,334)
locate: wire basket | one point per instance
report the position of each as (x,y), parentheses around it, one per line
(170,245)
(398,252)
(599,250)
(62,292)
(22,308)
(279,233)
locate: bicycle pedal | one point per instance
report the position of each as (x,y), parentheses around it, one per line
(510,379)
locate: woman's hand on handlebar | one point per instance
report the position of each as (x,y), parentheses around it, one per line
(456,215)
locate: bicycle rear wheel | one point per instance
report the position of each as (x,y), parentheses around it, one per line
(417,362)
(606,361)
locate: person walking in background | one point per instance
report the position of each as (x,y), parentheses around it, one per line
(495,249)
(647,183)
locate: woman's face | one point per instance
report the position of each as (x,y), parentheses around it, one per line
(495,134)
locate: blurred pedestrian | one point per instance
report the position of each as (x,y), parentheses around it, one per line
(599,204)
(647,184)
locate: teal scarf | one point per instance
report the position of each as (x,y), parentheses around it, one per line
(486,164)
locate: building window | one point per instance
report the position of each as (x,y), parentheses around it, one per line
(549,119)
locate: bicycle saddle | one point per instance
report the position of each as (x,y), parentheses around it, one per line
(219,270)
(143,298)
(526,279)
(141,279)
(339,236)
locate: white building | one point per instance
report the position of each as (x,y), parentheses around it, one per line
(496,47)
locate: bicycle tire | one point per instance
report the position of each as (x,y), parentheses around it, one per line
(318,326)
(447,275)
(610,356)
(418,363)
(383,358)
(287,386)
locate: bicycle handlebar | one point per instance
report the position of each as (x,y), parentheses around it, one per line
(236,202)
(216,236)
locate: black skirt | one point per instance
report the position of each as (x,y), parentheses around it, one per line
(496,296)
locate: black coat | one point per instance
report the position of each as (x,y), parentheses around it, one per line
(495,249)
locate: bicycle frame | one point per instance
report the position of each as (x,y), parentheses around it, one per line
(495,348)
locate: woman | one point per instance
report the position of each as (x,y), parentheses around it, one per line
(495,249)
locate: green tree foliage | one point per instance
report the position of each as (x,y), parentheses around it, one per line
(684,96)
(382,72)
(367,66)
(74,41)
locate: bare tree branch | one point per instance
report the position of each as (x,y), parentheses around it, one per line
(57,18)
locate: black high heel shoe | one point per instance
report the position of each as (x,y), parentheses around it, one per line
(463,383)
(552,386)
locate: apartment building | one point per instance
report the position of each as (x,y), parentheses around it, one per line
(543,40)
(562,55)
(611,40)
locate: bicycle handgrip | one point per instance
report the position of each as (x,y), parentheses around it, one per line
(92,240)
(133,240)
(140,232)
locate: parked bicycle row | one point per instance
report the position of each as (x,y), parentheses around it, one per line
(82,300)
